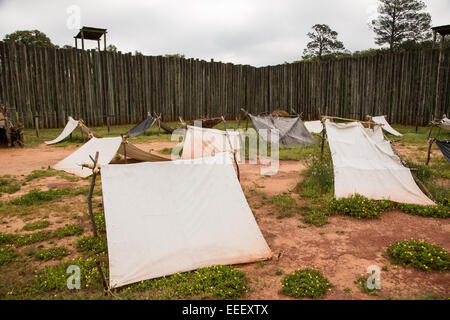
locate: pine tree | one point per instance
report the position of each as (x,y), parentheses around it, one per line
(400,21)
(323,43)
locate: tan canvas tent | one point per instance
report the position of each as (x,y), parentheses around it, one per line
(107,148)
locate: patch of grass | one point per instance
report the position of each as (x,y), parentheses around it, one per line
(419,254)
(437,211)
(360,207)
(216,282)
(92,245)
(299,153)
(8,185)
(68,231)
(7,238)
(278,272)
(27,239)
(39,174)
(40,224)
(307,283)
(54,278)
(429,175)
(36,197)
(318,178)
(315,216)
(55,253)
(177,150)
(261,264)
(7,254)
(284,204)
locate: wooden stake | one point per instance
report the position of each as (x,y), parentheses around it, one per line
(323,139)
(36,124)
(430,144)
(95,171)
(233,151)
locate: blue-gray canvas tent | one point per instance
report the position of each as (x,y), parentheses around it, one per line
(141,127)
(444,146)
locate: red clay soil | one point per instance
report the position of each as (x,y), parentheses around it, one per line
(342,249)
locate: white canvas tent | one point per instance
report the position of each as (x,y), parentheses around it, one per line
(386,126)
(203,142)
(169,217)
(314,126)
(68,129)
(106,147)
(364,164)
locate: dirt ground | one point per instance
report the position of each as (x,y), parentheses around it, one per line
(342,249)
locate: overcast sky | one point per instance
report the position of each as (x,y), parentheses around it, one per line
(255,32)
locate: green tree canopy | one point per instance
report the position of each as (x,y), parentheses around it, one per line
(323,43)
(29,37)
(399,21)
(111,48)
(174,55)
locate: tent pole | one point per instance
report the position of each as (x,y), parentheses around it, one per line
(95,171)
(36,124)
(246,116)
(231,146)
(323,137)
(124,142)
(430,143)
(159,124)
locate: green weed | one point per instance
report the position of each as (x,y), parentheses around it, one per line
(307,283)
(68,231)
(284,204)
(7,254)
(55,253)
(419,254)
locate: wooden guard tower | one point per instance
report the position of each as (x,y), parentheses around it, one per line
(90,33)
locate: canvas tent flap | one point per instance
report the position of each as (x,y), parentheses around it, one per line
(202,142)
(139,154)
(314,126)
(68,129)
(292,131)
(444,123)
(168,217)
(106,147)
(364,166)
(141,127)
(444,146)
(386,125)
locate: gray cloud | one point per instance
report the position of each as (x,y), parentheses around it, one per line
(256,32)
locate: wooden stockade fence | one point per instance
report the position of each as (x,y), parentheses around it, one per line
(93,85)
